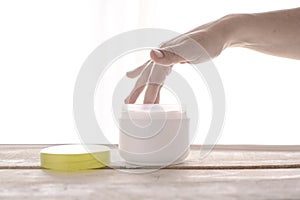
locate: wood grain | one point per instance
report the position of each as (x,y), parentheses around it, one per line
(247,172)
(162,184)
(222,157)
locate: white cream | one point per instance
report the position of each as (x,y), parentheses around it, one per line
(153,134)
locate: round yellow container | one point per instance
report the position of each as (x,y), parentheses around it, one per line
(75,157)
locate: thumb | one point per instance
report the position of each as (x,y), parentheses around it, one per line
(165,56)
(187,50)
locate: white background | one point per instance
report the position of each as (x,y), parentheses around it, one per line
(44,43)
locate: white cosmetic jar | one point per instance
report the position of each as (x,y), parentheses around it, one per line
(154,134)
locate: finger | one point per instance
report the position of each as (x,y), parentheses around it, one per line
(136,72)
(156,80)
(131,99)
(158,96)
(151,93)
(139,85)
(165,56)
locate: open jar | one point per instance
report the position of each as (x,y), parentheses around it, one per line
(154,134)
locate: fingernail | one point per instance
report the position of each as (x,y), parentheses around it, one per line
(158,53)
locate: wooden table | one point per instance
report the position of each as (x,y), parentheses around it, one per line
(229,172)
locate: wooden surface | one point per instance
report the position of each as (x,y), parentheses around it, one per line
(222,157)
(229,172)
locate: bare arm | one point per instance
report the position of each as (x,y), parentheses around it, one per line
(276,33)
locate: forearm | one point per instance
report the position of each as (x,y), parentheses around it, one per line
(276,33)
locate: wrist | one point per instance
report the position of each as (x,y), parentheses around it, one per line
(237,28)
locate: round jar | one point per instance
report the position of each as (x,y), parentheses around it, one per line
(154,134)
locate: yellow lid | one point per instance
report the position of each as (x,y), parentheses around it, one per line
(75,157)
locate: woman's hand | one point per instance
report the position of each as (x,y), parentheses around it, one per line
(196,46)
(276,33)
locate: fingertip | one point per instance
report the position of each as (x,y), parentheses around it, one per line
(158,53)
(148,101)
(129,74)
(164,60)
(126,101)
(154,56)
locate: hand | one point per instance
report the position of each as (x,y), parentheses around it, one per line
(275,33)
(196,46)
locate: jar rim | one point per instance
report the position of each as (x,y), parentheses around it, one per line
(154,108)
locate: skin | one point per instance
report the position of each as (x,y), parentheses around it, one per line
(275,33)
